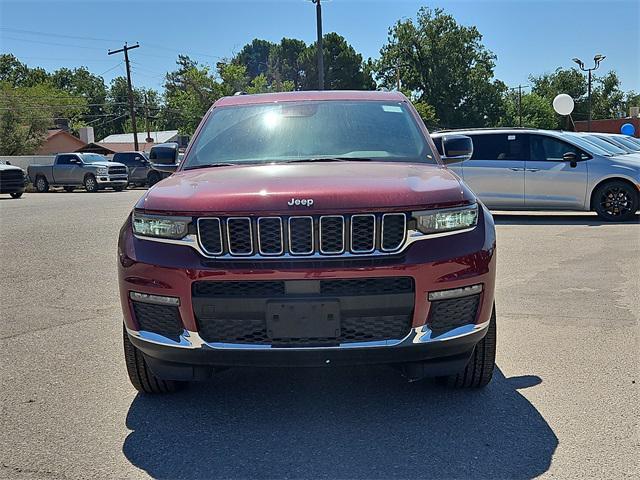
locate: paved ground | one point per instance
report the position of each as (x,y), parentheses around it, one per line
(564,402)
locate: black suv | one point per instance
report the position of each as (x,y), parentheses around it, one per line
(141,172)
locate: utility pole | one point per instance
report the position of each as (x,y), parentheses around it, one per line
(146,118)
(132,110)
(320,55)
(398,74)
(596,63)
(520,105)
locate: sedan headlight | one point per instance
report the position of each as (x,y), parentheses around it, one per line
(101,171)
(160,225)
(446,220)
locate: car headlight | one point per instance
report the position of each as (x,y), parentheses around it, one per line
(160,225)
(101,171)
(446,220)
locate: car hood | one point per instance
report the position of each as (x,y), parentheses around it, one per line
(107,164)
(332,187)
(630,161)
(5,167)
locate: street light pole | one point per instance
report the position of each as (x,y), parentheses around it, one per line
(597,59)
(319,45)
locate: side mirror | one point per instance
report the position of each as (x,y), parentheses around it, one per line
(164,167)
(456,148)
(572,158)
(8,162)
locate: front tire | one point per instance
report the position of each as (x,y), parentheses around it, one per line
(153,178)
(42,186)
(90,184)
(479,370)
(615,201)
(16,194)
(141,377)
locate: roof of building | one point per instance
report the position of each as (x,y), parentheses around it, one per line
(109,148)
(158,137)
(310,95)
(59,131)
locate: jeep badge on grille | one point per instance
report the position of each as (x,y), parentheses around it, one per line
(305,202)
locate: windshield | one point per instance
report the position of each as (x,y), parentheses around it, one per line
(93,158)
(628,143)
(586,145)
(609,147)
(294,131)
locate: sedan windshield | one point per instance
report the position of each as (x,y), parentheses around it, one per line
(628,143)
(313,131)
(609,147)
(93,158)
(585,144)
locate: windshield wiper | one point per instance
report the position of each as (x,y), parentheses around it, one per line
(330,159)
(210,165)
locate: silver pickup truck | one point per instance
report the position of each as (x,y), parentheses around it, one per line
(72,170)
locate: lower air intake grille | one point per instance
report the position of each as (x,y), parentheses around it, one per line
(160,319)
(446,315)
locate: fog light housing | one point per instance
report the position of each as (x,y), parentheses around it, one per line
(155,299)
(455,293)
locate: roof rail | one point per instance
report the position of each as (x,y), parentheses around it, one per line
(447,130)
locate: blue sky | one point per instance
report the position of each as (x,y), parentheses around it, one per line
(527,36)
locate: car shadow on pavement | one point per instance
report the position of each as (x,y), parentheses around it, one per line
(551,219)
(359,422)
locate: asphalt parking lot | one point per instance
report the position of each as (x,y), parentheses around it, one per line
(564,401)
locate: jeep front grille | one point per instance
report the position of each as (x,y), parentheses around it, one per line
(302,236)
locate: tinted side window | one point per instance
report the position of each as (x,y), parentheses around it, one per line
(499,146)
(64,160)
(126,158)
(549,148)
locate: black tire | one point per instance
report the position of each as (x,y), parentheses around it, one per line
(615,201)
(119,188)
(69,189)
(16,194)
(141,377)
(42,186)
(153,178)
(479,370)
(90,183)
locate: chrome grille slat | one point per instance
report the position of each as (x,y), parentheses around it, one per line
(302,235)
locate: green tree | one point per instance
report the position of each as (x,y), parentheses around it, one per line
(81,83)
(285,62)
(189,92)
(446,66)
(343,66)
(17,74)
(26,112)
(255,56)
(536,111)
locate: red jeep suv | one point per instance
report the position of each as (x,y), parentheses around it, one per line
(310,229)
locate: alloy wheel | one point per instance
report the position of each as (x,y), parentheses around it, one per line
(615,201)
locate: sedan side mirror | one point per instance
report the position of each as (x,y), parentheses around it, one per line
(456,148)
(164,167)
(572,158)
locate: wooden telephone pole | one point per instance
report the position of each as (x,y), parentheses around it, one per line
(132,110)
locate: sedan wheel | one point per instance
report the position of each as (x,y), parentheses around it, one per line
(616,201)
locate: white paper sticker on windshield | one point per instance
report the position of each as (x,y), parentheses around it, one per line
(392,108)
(511,137)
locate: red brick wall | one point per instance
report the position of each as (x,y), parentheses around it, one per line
(611,125)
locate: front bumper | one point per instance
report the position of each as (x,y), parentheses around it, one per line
(191,358)
(105,180)
(439,263)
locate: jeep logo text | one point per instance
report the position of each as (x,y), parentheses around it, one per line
(305,202)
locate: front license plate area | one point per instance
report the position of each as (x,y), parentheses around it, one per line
(293,319)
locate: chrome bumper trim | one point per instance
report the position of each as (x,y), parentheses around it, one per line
(109,179)
(419,335)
